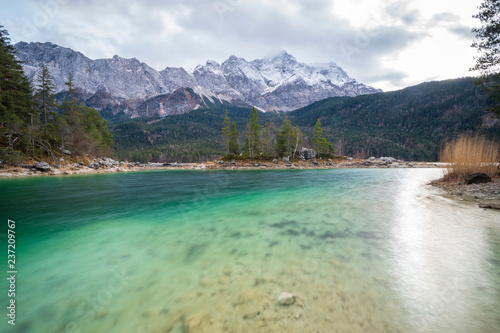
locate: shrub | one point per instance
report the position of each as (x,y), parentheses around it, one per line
(263,157)
(470,154)
(228,157)
(10,156)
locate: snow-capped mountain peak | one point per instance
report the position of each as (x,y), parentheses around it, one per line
(278,82)
(282,57)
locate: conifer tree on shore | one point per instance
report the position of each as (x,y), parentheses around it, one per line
(33,125)
(233,139)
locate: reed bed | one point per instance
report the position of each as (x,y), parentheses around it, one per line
(470,154)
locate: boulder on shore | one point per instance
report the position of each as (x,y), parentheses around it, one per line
(307,154)
(477,178)
(42,166)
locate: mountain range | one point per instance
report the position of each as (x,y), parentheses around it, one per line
(277,83)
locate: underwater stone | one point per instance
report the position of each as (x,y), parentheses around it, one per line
(286,299)
(197,323)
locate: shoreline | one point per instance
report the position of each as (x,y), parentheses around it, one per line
(486,195)
(103,166)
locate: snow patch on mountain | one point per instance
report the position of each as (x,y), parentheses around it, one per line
(279,82)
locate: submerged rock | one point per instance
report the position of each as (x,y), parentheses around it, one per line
(286,299)
(198,323)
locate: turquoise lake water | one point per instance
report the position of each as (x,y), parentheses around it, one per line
(368,250)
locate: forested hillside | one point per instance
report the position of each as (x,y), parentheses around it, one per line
(409,124)
(195,136)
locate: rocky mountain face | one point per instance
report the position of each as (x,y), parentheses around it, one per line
(274,83)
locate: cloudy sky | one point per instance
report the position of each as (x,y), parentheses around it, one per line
(388,44)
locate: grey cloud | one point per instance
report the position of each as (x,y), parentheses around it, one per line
(411,18)
(452,23)
(445,17)
(217,29)
(462,31)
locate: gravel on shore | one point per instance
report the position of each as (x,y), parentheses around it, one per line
(487,195)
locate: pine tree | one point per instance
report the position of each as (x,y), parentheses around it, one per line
(45,93)
(273,138)
(68,122)
(286,138)
(264,139)
(317,136)
(233,140)
(71,101)
(226,132)
(488,41)
(322,146)
(488,45)
(298,140)
(97,128)
(326,147)
(63,130)
(252,138)
(15,102)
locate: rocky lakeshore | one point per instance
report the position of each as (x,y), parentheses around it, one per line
(108,165)
(486,195)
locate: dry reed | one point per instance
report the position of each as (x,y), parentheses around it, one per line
(470,154)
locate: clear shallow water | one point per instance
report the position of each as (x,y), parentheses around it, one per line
(182,251)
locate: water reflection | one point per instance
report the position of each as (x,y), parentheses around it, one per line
(440,260)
